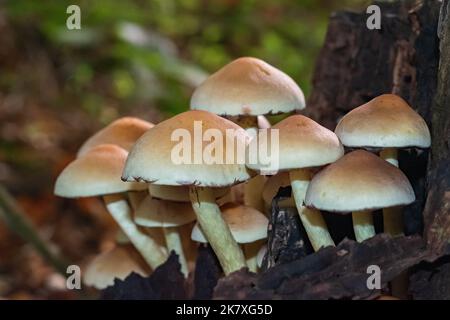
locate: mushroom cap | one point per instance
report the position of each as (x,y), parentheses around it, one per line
(123,132)
(273,184)
(246,224)
(248,86)
(359,181)
(95,173)
(150,159)
(118,262)
(385,121)
(162,213)
(179,193)
(303,143)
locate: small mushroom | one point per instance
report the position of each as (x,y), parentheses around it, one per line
(302,144)
(151,160)
(248,227)
(244,91)
(359,182)
(117,263)
(168,215)
(386,122)
(97,173)
(122,132)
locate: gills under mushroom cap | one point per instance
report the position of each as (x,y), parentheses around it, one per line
(162,213)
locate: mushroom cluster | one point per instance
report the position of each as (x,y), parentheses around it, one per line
(162,205)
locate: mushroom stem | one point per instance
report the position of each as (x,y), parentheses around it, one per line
(216,230)
(393,225)
(118,207)
(251,252)
(392,217)
(363,225)
(174,243)
(312,219)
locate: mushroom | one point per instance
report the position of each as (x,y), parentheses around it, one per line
(117,263)
(122,132)
(359,182)
(386,122)
(248,227)
(179,193)
(243,91)
(272,186)
(168,215)
(97,173)
(151,160)
(248,87)
(302,144)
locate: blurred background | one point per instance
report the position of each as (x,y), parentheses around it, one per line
(135,57)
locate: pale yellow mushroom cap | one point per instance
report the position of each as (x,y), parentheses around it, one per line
(385,121)
(158,158)
(162,213)
(248,86)
(117,263)
(359,181)
(302,143)
(95,173)
(123,132)
(246,224)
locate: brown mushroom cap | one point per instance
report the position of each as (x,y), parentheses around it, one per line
(123,132)
(359,181)
(248,86)
(161,213)
(150,159)
(385,121)
(303,143)
(117,263)
(95,173)
(246,224)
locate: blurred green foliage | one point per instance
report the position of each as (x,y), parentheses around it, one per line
(154,52)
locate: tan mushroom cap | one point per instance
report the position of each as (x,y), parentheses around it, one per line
(162,213)
(123,132)
(179,193)
(95,173)
(117,263)
(150,159)
(359,181)
(273,184)
(303,143)
(246,224)
(248,86)
(385,121)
